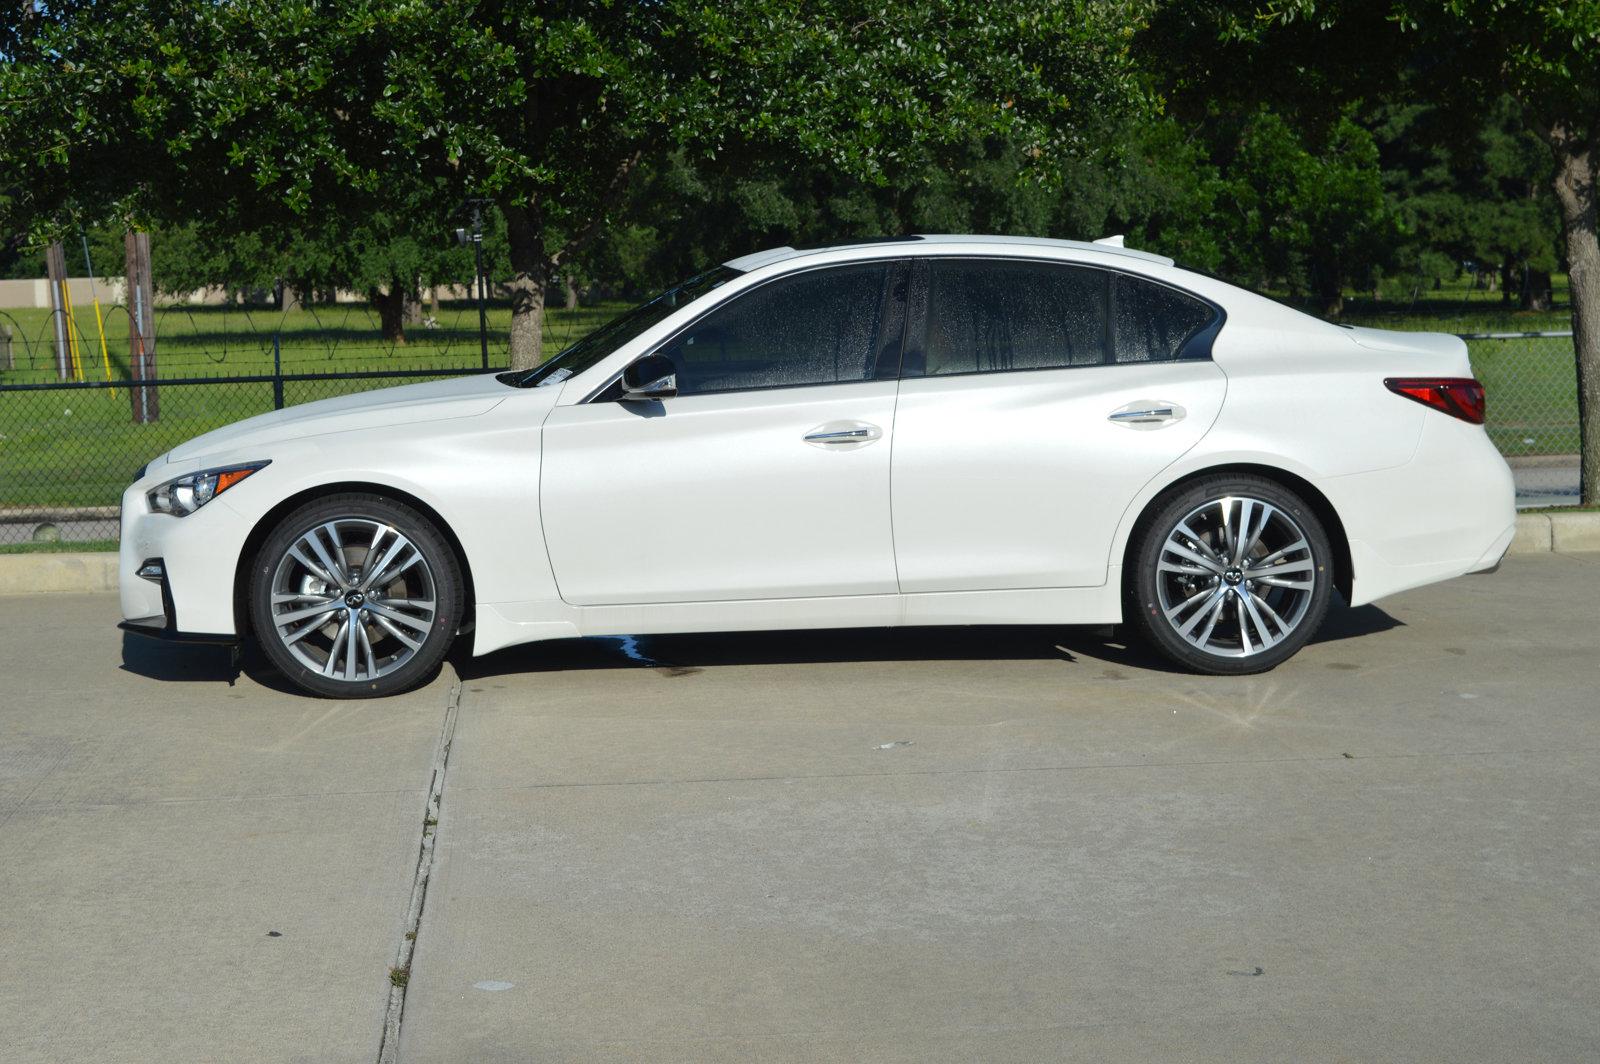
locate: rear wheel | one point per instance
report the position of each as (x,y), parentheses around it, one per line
(1231,575)
(355,596)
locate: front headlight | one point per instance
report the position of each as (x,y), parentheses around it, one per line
(186,494)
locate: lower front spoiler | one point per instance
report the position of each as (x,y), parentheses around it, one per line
(163,625)
(165,632)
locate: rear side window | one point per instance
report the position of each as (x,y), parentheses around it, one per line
(819,327)
(991,316)
(1154,322)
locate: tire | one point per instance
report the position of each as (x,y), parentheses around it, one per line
(405,616)
(1212,606)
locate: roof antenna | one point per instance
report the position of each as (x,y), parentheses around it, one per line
(1112,241)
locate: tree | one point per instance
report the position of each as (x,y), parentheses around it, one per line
(550,111)
(1314,215)
(1470,189)
(1543,52)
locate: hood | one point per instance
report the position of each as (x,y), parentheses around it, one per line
(454,397)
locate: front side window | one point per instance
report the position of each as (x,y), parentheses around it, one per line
(597,345)
(817,327)
(992,316)
(1154,322)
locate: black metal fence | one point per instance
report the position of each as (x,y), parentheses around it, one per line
(69,448)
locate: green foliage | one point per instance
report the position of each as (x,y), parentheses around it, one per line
(1312,214)
(259,114)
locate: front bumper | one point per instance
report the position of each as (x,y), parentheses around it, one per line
(164,625)
(192,599)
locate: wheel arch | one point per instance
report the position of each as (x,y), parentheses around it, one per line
(269,521)
(1343,568)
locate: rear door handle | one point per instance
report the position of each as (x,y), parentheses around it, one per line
(842,434)
(1158,413)
(1147,413)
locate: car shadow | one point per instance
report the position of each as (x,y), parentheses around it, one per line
(682,655)
(178,662)
(687,654)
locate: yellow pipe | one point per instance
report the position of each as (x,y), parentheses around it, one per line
(72,331)
(105,354)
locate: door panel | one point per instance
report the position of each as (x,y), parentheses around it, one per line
(721,496)
(1018,480)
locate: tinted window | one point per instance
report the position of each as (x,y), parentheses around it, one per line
(1154,322)
(618,331)
(993,316)
(819,327)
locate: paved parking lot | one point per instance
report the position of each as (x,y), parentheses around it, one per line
(998,844)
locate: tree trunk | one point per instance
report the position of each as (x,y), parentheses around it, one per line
(433,302)
(1576,165)
(391,307)
(569,289)
(1507,280)
(1331,294)
(412,304)
(1535,290)
(530,271)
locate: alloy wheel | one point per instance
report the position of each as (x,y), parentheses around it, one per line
(353,599)
(1236,576)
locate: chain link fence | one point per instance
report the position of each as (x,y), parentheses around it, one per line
(1532,385)
(69,448)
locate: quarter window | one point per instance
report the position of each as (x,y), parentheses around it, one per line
(819,327)
(1154,322)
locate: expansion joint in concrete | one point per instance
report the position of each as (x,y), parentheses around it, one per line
(400,971)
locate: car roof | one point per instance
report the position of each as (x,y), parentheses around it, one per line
(927,242)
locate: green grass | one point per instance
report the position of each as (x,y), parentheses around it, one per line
(62,547)
(81,447)
(231,341)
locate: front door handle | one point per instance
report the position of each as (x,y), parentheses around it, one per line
(837,435)
(1147,414)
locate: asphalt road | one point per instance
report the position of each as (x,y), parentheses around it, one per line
(991,844)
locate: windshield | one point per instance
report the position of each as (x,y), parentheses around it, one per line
(618,331)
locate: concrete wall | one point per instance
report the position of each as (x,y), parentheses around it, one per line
(36,293)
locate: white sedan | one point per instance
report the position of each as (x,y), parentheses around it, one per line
(931,430)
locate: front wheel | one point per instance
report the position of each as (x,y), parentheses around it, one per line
(1231,575)
(355,596)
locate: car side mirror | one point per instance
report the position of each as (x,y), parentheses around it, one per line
(652,377)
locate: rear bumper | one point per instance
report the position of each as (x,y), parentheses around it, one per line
(1490,562)
(1450,511)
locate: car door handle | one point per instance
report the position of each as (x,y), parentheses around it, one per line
(1144,413)
(843,434)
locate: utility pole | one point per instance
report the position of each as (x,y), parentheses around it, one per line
(141,329)
(55,264)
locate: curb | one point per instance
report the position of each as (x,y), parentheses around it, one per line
(1537,533)
(27,574)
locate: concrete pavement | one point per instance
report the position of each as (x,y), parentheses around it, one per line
(996,844)
(160,825)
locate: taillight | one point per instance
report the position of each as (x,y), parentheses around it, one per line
(1460,397)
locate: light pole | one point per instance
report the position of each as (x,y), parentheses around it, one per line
(476,239)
